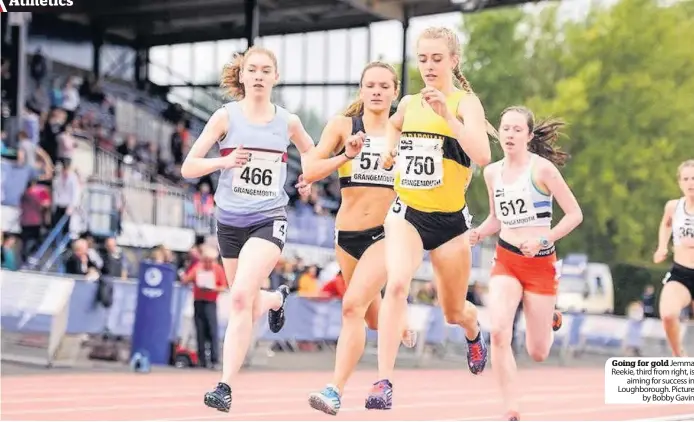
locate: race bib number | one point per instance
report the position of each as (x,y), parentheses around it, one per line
(420,163)
(260,177)
(514,207)
(366,166)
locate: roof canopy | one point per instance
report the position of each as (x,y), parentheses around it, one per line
(143,23)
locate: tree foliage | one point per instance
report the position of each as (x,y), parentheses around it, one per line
(623,80)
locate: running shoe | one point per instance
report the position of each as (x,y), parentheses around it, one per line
(511,416)
(276,318)
(327,401)
(557,321)
(220,398)
(381,396)
(477,354)
(409,338)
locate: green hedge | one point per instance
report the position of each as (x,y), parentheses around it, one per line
(629,282)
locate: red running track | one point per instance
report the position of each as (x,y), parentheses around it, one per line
(426,395)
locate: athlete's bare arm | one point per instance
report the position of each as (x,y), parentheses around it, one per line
(472,136)
(320,163)
(491,224)
(393,132)
(551,179)
(665,231)
(299,137)
(195,164)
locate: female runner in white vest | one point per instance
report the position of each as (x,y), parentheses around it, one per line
(253,135)
(521,188)
(678,222)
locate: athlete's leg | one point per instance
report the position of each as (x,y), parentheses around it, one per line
(365,281)
(539,315)
(504,295)
(256,260)
(674,297)
(269,301)
(452,263)
(404,253)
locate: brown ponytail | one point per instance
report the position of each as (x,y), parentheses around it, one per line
(354,109)
(231,73)
(544,142)
(545,135)
(465,86)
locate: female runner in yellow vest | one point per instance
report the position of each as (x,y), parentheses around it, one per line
(351,144)
(435,151)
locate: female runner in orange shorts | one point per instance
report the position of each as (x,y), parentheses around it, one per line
(521,189)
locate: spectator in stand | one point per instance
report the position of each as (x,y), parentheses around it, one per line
(66,144)
(56,94)
(92,253)
(115,263)
(204,200)
(31,124)
(66,194)
(9,260)
(54,127)
(78,263)
(158,255)
(38,68)
(33,205)
(148,156)
(71,99)
(39,103)
(648,301)
(308,282)
(180,142)
(91,90)
(26,151)
(128,150)
(309,204)
(208,280)
(335,288)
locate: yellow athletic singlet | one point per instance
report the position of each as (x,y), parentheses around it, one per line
(432,169)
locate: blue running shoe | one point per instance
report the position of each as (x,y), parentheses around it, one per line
(381,396)
(327,401)
(220,398)
(477,354)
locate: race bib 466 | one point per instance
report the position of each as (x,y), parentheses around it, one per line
(260,177)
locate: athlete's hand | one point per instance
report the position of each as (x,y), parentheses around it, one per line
(660,255)
(436,100)
(530,247)
(354,144)
(474,237)
(387,159)
(303,187)
(237,158)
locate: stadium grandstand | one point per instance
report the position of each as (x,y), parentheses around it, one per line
(96,122)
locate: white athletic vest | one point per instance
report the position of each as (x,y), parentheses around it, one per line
(520,203)
(682,223)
